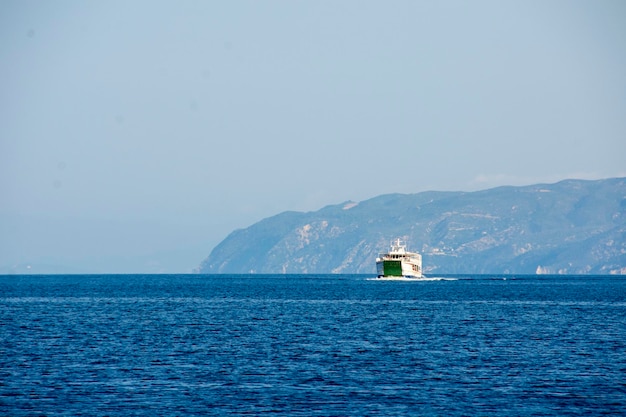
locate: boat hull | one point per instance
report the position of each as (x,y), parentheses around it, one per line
(398,268)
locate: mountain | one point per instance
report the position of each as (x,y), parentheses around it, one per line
(571,227)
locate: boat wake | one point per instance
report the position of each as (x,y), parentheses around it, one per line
(409,279)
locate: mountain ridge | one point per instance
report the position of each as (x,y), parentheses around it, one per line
(570,227)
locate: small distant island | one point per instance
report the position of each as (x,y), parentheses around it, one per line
(570,227)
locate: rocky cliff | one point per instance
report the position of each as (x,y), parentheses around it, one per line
(571,227)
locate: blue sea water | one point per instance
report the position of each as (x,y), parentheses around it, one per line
(328,345)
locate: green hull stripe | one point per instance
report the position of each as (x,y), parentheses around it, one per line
(392,268)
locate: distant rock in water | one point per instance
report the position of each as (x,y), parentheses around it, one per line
(571,227)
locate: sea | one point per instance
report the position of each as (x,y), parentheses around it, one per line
(312,345)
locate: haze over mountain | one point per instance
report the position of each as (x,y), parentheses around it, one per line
(571,227)
(136,135)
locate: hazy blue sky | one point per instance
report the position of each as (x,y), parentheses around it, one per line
(135,135)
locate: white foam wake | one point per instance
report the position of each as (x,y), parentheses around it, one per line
(411,279)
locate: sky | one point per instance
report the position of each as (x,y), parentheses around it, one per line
(135,136)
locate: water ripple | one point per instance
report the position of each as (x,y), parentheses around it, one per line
(184,346)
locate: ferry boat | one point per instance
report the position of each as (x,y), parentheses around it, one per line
(399,263)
